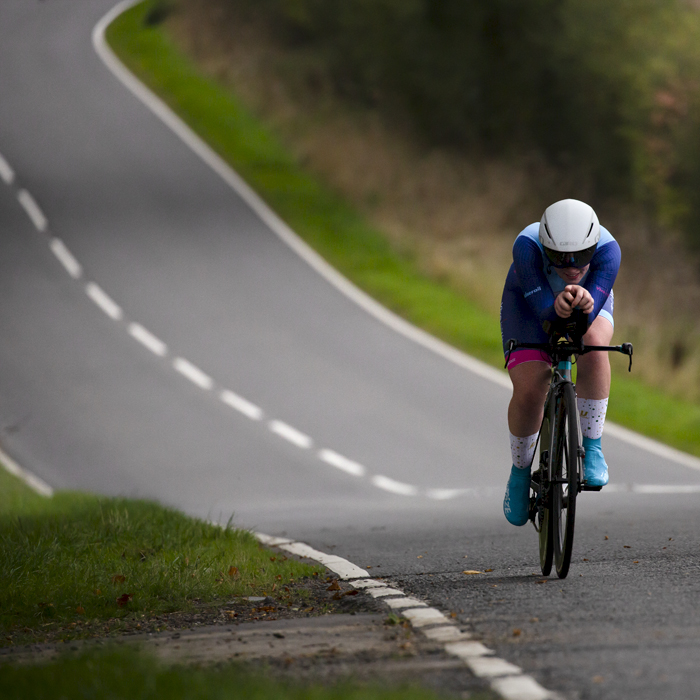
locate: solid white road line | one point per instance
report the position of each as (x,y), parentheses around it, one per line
(397,487)
(344,568)
(147,339)
(193,373)
(241,405)
(33,210)
(34,482)
(6,172)
(104,301)
(291,434)
(343,463)
(66,258)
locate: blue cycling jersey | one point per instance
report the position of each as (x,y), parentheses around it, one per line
(540,284)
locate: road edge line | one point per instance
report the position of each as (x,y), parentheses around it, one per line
(32,480)
(503,677)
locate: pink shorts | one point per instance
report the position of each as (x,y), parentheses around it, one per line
(517,357)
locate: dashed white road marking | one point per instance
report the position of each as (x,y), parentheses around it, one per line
(343,463)
(397,487)
(104,301)
(521,688)
(33,210)
(147,339)
(383,591)
(66,258)
(193,373)
(422,617)
(449,633)
(446,494)
(241,405)
(293,435)
(665,488)
(6,172)
(492,667)
(398,603)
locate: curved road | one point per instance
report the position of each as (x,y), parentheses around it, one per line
(161,340)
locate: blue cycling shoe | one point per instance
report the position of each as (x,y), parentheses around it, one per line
(516,504)
(595,470)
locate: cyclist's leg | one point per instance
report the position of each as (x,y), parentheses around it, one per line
(529,371)
(593,388)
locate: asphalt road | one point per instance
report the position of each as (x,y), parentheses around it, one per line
(342,433)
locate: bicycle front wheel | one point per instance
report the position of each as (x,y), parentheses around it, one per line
(566,466)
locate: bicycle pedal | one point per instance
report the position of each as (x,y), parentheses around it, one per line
(592,488)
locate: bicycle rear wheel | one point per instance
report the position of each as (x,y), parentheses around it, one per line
(565,477)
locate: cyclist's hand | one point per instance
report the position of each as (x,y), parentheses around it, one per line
(573,296)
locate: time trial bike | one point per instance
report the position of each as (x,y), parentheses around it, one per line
(559,477)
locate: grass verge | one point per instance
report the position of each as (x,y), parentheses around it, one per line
(339,234)
(126,674)
(78,565)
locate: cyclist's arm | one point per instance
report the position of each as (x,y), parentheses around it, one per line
(601,276)
(529,267)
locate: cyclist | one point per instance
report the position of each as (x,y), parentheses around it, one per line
(567,261)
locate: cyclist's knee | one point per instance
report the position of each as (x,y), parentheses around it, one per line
(600,333)
(530,382)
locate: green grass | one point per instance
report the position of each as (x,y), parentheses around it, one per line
(77,565)
(124,674)
(342,237)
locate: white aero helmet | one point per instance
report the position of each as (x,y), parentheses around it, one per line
(569,232)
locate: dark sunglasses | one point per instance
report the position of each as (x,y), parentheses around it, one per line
(577,258)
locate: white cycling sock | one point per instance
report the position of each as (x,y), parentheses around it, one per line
(592,412)
(522,450)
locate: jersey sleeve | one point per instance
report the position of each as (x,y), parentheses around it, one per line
(601,277)
(529,267)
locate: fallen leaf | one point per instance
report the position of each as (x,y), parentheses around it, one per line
(636,561)
(335,586)
(626,546)
(420,556)
(534,619)
(80,610)
(542,580)
(598,679)
(97,591)
(606,537)
(124,599)
(488,571)
(517,632)
(670,539)
(472,572)
(118,578)
(233,571)
(273,558)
